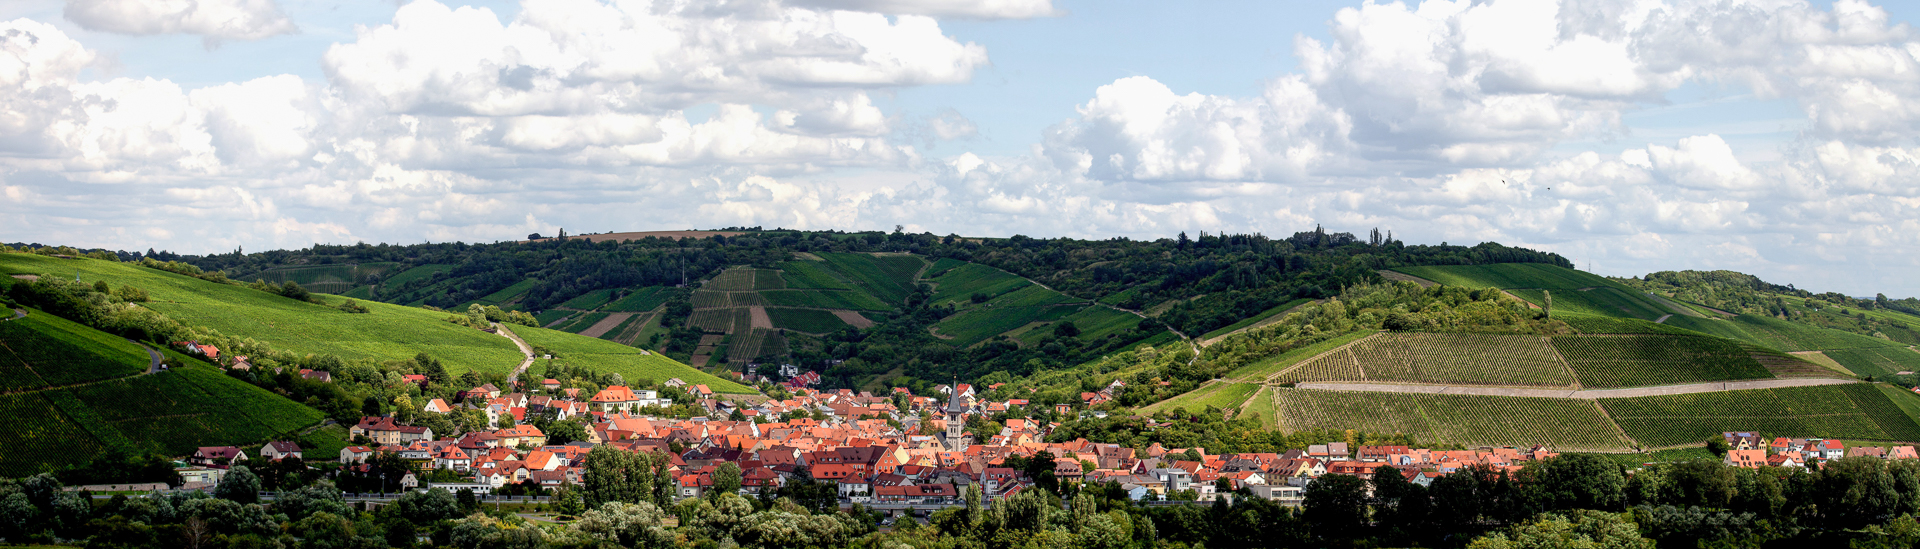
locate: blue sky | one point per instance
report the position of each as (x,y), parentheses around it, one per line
(1776,141)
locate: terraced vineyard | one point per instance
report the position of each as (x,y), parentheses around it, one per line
(1853,411)
(1471,420)
(1260,371)
(1468,359)
(1646,360)
(1779,334)
(958,284)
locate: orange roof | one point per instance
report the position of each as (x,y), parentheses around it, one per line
(616,393)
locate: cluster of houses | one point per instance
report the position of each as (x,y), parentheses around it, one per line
(856,448)
(1749,449)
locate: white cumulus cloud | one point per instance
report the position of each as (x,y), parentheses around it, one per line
(214,19)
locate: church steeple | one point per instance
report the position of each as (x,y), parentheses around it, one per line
(957,409)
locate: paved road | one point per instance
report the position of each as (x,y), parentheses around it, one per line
(154,356)
(1662,319)
(524,349)
(1583,393)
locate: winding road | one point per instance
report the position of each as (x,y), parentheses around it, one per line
(524,350)
(1577,393)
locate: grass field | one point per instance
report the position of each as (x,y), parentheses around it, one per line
(1261,407)
(44,350)
(824,299)
(888,277)
(325,278)
(813,321)
(1596,324)
(590,300)
(1573,291)
(1259,371)
(1470,420)
(606,356)
(958,284)
(1467,359)
(1644,360)
(1879,362)
(642,300)
(1855,411)
(941,266)
(1225,396)
(810,274)
(1255,319)
(389,332)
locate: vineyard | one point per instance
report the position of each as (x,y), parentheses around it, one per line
(1879,362)
(387,332)
(1224,396)
(959,284)
(1595,324)
(731,280)
(1646,360)
(1853,411)
(888,277)
(609,357)
(590,300)
(1605,301)
(824,299)
(42,350)
(582,322)
(507,294)
(812,321)
(1475,359)
(1098,322)
(1470,420)
(41,437)
(416,273)
(718,320)
(1779,334)
(1573,291)
(809,275)
(977,325)
(1259,371)
(331,279)
(643,299)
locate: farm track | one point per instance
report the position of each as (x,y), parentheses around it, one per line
(524,349)
(1587,394)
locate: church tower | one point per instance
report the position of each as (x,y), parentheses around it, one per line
(956,419)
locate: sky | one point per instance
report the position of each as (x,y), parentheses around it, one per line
(1771,137)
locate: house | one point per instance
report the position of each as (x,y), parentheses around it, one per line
(382,430)
(1744,440)
(1785,460)
(438,406)
(1902,452)
(1281,493)
(550,384)
(199,477)
(1831,449)
(355,454)
(416,379)
(280,449)
(317,375)
(217,456)
(617,398)
(1751,459)
(521,434)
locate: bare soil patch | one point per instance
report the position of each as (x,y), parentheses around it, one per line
(854,319)
(1822,359)
(699,361)
(710,340)
(606,324)
(808,256)
(676,235)
(28,278)
(760,318)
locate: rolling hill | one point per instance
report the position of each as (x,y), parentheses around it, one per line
(91,392)
(387,332)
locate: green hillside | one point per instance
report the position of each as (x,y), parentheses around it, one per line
(609,357)
(1573,292)
(42,350)
(1470,420)
(1856,411)
(107,401)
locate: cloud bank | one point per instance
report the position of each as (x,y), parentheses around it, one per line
(1441,120)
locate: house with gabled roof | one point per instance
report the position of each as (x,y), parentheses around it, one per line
(280,449)
(217,456)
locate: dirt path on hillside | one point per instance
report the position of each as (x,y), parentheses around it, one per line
(606,324)
(1662,319)
(852,318)
(1581,393)
(1397,276)
(524,349)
